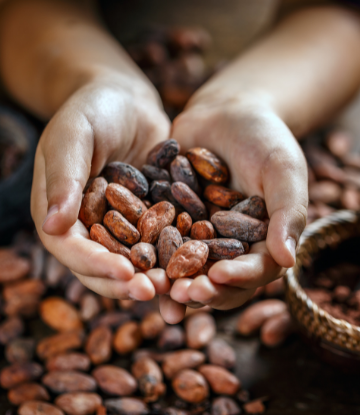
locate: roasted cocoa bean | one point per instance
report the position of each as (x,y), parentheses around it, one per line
(220,353)
(208,165)
(225,406)
(225,248)
(155,173)
(100,235)
(190,386)
(152,325)
(21,289)
(111,319)
(127,338)
(169,241)
(89,307)
(18,373)
(98,345)
(163,153)
(59,314)
(12,266)
(59,343)
(114,380)
(254,206)
(187,260)
(28,392)
(172,337)
(222,196)
(182,171)
(221,381)
(160,191)
(236,225)
(20,350)
(121,199)
(253,317)
(189,200)
(143,256)
(38,407)
(10,329)
(202,229)
(121,228)
(60,381)
(93,205)
(149,377)
(184,223)
(76,403)
(154,220)
(183,359)
(126,406)
(69,361)
(200,329)
(128,176)
(276,329)
(22,306)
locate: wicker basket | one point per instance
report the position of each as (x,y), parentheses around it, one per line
(330,335)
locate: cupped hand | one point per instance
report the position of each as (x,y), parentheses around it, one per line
(103,121)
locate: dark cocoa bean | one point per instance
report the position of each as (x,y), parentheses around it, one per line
(202,230)
(114,380)
(183,359)
(172,337)
(28,392)
(222,196)
(155,173)
(163,153)
(93,205)
(221,353)
(68,361)
(161,192)
(143,256)
(189,200)
(221,381)
(208,165)
(190,386)
(152,325)
(184,223)
(99,234)
(149,377)
(169,241)
(98,345)
(18,373)
(127,338)
(60,381)
(182,171)
(76,403)
(200,329)
(254,206)
(224,248)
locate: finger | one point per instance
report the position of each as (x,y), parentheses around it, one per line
(178,291)
(159,279)
(171,311)
(255,269)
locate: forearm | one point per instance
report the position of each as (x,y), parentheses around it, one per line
(51,48)
(305,70)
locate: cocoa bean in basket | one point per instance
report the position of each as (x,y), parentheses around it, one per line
(93,205)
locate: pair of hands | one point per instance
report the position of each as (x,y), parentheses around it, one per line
(106,120)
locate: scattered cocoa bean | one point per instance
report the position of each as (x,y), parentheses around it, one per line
(149,377)
(121,228)
(59,343)
(126,406)
(200,329)
(24,288)
(38,407)
(89,307)
(127,338)
(225,406)
(222,196)
(189,200)
(172,337)
(98,345)
(79,403)
(184,223)
(163,153)
(99,234)
(182,171)
(208,165)
(75,289)
(12,266)
(211,208)
(220,353)
(325,192)
(10,329)
(276,329)
(18,373)
(254,206)
(221,381)
(169,241)
(54,272)
(160,191)
(20,350)
(28,392)
(183,359)
(190,386)
(114,380)
(60,381)
(59,314)
(111,319)
(201,230)
(152,325)
(254,407)
(93,205)
(68,361)
(22,306)
(143,256)
(350,199)
(155,173)
(225,248)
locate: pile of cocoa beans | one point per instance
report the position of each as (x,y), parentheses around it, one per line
(163,217)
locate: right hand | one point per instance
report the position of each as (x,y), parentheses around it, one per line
(102,121)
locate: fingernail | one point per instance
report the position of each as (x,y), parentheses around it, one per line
(51,212)
(291,246)
(131,297)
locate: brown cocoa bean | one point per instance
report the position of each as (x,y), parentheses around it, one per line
(350,199)
(160,191)
(236,225)
(225,406)
(75,289)
(22,306)
(28,392)
(253,317)
(254,206)
(208,165)
(60,381)
(169,241)
(254,407)
(163,153)
(20,350)
(154,220)
(187,260)
(143,256)
(128,176)
(59,314)
(93,205)
(121,228)
(149,377)
(140,353)
(79,403)
(59,343)
(276,329)
(11,328)
(54,272)
(221,381)
(127,338)
(189,200)
(155,173)
(175,411)
(222,196)
(202,229)
(101,410)
(184,223)
(182,171)
(325,192)
(89,307)
(200,329)
(111,319)
(98,345)
(12,266)
(21,289)
(114,380)
(183,359)
(68,361)
(18,373)
(107,303)
(172,337)
(190,386)
(152,325)
(212,209)
(126,406)
(38,407)
(121,199)
(100,235)
(225,248)
(220,353)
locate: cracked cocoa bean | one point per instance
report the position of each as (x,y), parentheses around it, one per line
(189,200)
(163,153)
(143,256)
(201,230)
(254,206)
(121,228)
(222,196)
(169,241)
(208,165)
(93,205)
(100,235)
(182,171)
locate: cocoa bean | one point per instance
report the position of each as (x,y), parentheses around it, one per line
(172,337)
(339,143)
(183,359)
(169,241)
(114,380)
(212,209)
(140,353)
(18,373)
(79,403)
(187,260)
(221,381)
(38,407)
(21,289)
(202,229)
(225,248)
(236,225)
(190,386)
(107,303)
(89,307)
(54,272)
(161,192)
(182,171)
(220,353)
(28,392)
(184,223)
(189,38)
(175,411)
(98,345)
(111,319)
(225,406)
(93,205)
(200,329)
(325,192)
(122,229)
(20,350)
(60,381)
(75,289)
(12,266)
(101,410)
(10,329)
(186,239)
(59,314)
(254,407)
(152,325)
(222,196)
(149,377)
(143,256)
(59,343)
(127,338)
(163,153)
(208,165)
(155,173)
(253,317)
(154,220)
(128,176)
(100,235)
(122,200)
(276,329)
(68,361)
(189,200)
(126,406)
(254,206)
(147,203)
